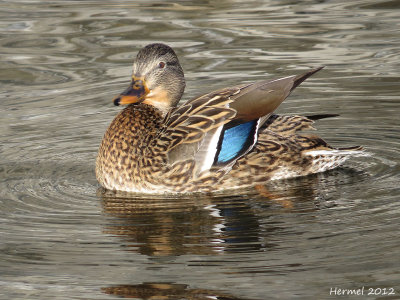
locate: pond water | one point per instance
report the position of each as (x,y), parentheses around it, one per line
(62,237)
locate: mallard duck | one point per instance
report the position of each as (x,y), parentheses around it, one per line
(226,139)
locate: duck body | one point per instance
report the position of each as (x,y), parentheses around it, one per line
(222,140)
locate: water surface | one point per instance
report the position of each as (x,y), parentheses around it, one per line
(62,237)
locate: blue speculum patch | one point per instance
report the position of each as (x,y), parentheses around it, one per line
(236,141)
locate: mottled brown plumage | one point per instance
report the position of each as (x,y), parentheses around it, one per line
(225,139)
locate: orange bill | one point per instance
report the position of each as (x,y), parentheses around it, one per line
(135,93)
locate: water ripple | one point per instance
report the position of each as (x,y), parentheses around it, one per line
(63,237)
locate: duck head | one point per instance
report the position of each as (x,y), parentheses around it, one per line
(157,79)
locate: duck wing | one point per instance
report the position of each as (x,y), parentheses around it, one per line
(218,128)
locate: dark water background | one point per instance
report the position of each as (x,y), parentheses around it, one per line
(63,238)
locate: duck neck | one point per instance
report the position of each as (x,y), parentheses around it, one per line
(133,128)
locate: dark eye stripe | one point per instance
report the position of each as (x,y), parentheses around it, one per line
(174,63)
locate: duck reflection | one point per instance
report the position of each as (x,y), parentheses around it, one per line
(175,226)
(249,221)
(165,291)
(211,224)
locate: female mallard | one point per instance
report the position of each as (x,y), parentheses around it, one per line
(225,139)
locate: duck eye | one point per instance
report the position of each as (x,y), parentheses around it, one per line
(161,65)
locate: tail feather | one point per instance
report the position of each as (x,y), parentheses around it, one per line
(323,160)
(321,116)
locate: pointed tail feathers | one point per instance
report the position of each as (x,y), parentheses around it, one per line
(326,159)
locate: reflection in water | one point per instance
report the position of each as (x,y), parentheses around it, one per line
(197,225)
(213,224)
(63,61)
(166,291)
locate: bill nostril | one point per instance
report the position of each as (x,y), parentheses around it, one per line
(137,85)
